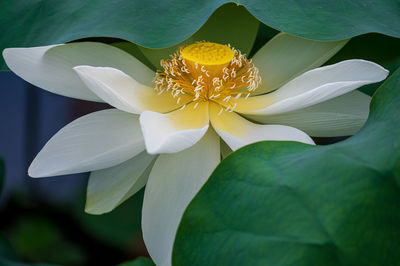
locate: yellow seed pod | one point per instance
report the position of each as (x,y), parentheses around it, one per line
(208,53)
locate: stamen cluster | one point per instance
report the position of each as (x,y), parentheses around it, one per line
(221,84)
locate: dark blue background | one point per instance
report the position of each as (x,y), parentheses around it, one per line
(29,117)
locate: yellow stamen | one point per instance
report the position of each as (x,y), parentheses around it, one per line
(207,71)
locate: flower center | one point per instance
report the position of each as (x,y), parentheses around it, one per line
(206,71)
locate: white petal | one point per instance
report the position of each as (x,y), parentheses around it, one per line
(109,187)
(286,56)
(123,92)
(50,67)
(341,116)
(237,132)
(175,131)
(313,87)
(95,141)
(173,182)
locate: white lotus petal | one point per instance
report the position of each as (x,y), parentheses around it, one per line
(95,141)
(50,67)
(173,182)
(237,132)
(313,87)
(109,187)
(286,56)
(175,131)
(123,92)
(340,116)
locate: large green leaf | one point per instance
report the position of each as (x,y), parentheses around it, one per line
(287,203)
(158,24)
(328,20)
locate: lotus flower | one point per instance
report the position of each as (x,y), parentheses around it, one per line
(165,129)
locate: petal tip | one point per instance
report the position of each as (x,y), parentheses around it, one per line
(383,72)
(309,141)
(8,54)
(94,211)
(5,52)
(386,72)
(82,69)
(33,171)
(37,169)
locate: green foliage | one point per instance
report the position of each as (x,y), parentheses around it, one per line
(142,261)
(328,20)
(287,203)
(38,239)
(158,24)
(9,258)
(65,235)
